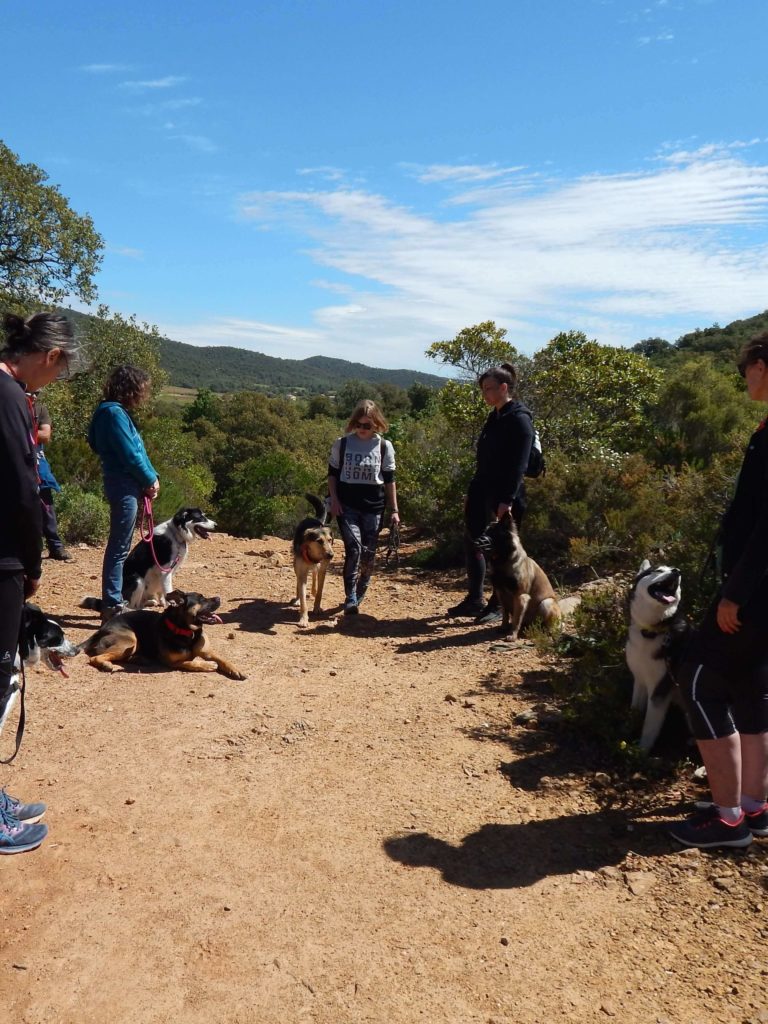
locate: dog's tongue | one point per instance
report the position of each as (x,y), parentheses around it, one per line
(667,598)
(63,672)
(216,619)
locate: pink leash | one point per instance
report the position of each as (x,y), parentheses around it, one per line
(148,518)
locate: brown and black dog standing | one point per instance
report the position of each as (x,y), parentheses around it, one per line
(175,638)
(520,584)
(312,551)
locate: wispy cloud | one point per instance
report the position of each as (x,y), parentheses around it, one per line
(168,82)
(105,69)
(619,255)
(199,143)
(661,37)
(290,342)
(462,172)
(125,250)
(327,173)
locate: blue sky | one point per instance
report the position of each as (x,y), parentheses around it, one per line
(358,179)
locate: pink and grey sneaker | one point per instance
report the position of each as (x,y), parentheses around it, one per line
(707,829)
(18,838)
(756,821)
(27,814)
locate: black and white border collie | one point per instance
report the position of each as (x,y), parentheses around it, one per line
(143,582)
(42,640)
(656,639)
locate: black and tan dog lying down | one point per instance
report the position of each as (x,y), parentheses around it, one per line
(174,637)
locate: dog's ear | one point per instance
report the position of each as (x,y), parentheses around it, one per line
(645,565)
(176,598)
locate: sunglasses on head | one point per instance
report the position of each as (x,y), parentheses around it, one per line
(364,426)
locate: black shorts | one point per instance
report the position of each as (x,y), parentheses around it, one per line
(724,677)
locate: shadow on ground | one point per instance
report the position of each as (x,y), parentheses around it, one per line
(517,855)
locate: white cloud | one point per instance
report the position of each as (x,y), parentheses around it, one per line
(462,172)
(622,256)
(275,339)
(105,69)
(200,143)
(125,250)
(155,83)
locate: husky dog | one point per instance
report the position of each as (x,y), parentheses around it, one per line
(312,551)
(143,582)
(520,584)
(42,640)
(657,632)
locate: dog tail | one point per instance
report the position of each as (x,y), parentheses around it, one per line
(318,506)
(94,603)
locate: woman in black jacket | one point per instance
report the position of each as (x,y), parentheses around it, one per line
(36,352)
(503,451)
(724,678)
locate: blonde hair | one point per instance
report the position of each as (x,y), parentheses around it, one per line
(367,408)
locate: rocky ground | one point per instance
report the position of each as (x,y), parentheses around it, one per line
(379,825)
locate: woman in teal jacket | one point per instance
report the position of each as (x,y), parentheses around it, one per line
(128,474)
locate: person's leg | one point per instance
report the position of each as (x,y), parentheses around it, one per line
(369,535)
(18,829)
(754,766)
(123,498)
(53,541)
(351,534)
(477,515)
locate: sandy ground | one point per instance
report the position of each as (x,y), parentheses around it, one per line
(375,826)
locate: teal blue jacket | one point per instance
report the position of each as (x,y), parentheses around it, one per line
(118,444)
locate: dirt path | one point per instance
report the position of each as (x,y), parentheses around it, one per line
(359,832)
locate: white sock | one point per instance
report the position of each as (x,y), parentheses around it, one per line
(751,805)
(729,814)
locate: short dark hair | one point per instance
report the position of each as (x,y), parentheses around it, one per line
(40,332)
(504,374)
(756,348)
(126,384)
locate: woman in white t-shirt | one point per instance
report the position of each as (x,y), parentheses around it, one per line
(361,481)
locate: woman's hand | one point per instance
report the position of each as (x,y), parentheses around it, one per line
(152,491)
(502,510)
(395,518)
(31,586)
(728,616)
(337,508)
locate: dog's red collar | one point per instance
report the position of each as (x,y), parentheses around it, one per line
(178,630)
(304,549)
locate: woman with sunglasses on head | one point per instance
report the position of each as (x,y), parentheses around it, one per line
(37,351)
(724,677)
(361,481)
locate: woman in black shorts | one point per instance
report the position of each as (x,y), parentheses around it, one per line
(724,680)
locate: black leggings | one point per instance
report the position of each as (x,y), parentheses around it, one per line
(11,604)
(479,511)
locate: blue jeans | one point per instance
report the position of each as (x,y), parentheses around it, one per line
(123,494)
(359,531)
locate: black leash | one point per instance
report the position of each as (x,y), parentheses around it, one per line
(393,547)
(22,715)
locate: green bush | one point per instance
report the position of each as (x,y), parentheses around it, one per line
(83,517)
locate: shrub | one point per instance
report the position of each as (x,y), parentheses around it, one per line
(83,517)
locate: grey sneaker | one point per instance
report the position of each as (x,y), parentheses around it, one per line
(18,838)
(112,611)
(491,613)
(27,814)
(756,822)
(707,829)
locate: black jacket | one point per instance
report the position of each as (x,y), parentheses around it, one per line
(503,451)
(20,512)
(744,530)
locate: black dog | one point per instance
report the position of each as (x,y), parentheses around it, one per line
(41,639)
(143,582)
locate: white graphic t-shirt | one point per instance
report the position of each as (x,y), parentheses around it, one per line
(364,472)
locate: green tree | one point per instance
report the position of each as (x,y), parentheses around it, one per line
(46,249)
(475,349)
(585,394)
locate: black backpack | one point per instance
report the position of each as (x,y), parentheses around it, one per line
(537,465)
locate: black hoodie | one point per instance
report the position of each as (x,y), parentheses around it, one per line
(503,451)
(20,513)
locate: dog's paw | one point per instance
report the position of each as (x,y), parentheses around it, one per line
(303,623)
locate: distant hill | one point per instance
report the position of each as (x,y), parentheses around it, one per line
(722,343)
(225,368)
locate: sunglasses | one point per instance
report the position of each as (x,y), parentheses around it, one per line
(363,426)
